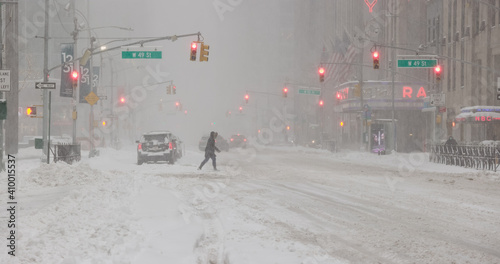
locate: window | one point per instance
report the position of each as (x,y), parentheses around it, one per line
(454,16)
(475,18)
(462,68)
(454,75)
(448,71)
(462,18)
(491,14)
(449,22)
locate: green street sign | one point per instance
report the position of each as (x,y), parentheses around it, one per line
(141,54)
(417,63)
(312,92)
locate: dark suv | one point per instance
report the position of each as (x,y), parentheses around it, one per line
(238,141)
(220,143)
(158,146)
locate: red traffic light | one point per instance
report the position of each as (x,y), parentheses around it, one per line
(194,45)
(376,64)
(321,72)
(437,70)
(321,103)
(122,100)
(74,75)
(285,90)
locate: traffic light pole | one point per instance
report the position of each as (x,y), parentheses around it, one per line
(46,110)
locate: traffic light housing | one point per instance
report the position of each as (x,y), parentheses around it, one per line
(437,71)
(204,52)
(321,72)
(285,92)
(194,49)
(122,100)
(246,98)
(321,103)
(74,78)
(376,63)
(341,123)
(31,111)
(241,109)
(174,89)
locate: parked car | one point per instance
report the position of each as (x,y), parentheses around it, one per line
(159,146)
(220,142)
(238,141)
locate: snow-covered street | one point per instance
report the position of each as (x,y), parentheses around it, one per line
(265,205)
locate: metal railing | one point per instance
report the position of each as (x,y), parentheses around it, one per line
(469,156)
(67,152)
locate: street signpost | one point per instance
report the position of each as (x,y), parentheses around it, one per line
(45,85)
(4,80)
(308,91)
(141,54)
(417,63)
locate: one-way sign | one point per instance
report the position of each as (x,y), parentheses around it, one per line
(44,85)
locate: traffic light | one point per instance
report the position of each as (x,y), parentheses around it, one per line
(241,109)
(437,70)
(204,52)
(74,78)
(194,49)
(321,103)
(246,98)
(285,92)
(339,96)
(169,89)
(103,123)
(174,89)
(287,127)
(341,123)
(376,63)
(31,111)
(177,105)
(321,72)
(122,99)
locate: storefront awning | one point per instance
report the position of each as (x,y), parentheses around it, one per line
(479,114)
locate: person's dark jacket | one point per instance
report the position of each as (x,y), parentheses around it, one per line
(211,148)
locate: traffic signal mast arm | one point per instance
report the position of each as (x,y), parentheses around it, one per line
(424,53)
(371,66)
(141,42)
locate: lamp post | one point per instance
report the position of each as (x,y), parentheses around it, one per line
(83,61)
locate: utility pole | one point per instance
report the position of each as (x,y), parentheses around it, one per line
(45,119)
(75,68)
(364,122)
(2,167)
(393,68)
(12,59)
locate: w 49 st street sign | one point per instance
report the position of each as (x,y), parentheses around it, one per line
(141,54)
(418,63)
(308,91)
